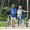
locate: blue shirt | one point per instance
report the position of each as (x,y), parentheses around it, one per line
(12,12)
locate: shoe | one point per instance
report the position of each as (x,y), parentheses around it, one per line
(13,26)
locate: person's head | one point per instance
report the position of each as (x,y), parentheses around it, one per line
(13,5)
(20,7)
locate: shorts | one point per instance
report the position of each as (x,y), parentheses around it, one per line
(13,18)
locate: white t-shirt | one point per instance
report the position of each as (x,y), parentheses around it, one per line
(19,12)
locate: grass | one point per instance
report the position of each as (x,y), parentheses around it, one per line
(2,24)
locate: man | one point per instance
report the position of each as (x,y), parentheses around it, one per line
(19,15)
(13,14)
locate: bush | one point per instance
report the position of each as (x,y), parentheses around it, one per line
(3,15)
(6,7)
(3,19)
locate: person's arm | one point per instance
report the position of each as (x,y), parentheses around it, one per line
(24,11)
(7,10)
(15,11)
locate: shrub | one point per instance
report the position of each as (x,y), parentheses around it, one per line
(3,19)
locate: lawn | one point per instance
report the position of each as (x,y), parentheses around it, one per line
(2,24)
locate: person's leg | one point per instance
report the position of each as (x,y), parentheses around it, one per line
(20,20)
(14,21)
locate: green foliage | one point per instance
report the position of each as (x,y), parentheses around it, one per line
(6,7)
(3,10)
(3,16)
(3,19)
(2,24)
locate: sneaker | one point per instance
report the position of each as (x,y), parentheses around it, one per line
(13,26)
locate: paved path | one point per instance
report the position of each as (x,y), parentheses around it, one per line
(10,28)
(16,27)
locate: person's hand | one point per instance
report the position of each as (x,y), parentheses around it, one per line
(15,13)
